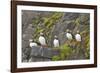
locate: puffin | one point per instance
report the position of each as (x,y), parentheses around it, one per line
(69,35)
(56,41)
(42,40)
(32,43)
(78,37)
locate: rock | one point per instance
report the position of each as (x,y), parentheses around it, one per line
(43,52)
(36,54)
(26,54)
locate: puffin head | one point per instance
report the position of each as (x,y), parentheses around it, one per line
(41,34)
(55,37)
(78,32)
(67,30)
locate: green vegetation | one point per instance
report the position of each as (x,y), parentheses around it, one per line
(65,52)
(55,58)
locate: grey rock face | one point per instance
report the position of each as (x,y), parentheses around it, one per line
(43,52)
(39,54)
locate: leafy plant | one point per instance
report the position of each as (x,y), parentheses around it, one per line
(77,21)
(65,50)
(87,54)
(62,56)
(55,58)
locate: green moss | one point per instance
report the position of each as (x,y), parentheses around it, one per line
(55,58)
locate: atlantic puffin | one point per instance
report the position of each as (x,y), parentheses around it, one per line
(56,41)
(69,35)
(42,40)
(32,43)
(78,37)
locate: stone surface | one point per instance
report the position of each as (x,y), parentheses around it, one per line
(39,54)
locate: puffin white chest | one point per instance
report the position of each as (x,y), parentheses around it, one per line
(78,37)
(69,36)
(42,40)
(33,44)
(56,43)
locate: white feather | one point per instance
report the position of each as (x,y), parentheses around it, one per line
(56,43)
(78,37)
(69,36)
(33,44)
(42,40)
